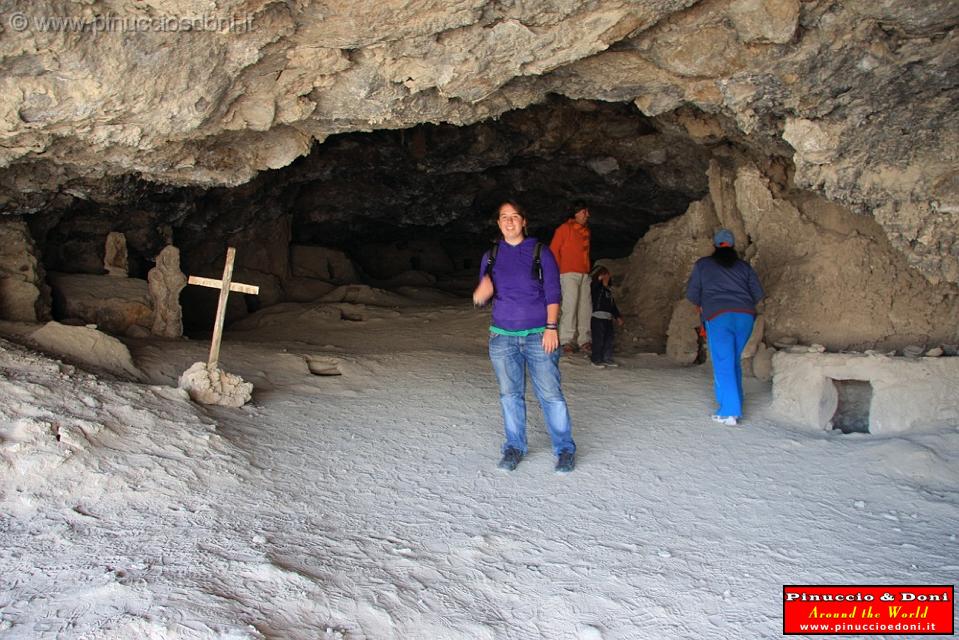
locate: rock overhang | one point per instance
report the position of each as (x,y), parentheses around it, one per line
(856,94)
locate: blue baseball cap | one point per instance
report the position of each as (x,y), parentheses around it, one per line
(724,237)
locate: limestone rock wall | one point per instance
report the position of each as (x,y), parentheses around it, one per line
(24,294)
(860,94)
(658,268)
(831,276)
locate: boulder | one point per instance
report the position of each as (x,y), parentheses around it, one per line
(88,347)
(306,289)
(762,363)
(113,304)
(755,338)
(215,386)
(322,263)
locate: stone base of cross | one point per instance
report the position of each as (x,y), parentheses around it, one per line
(226,285)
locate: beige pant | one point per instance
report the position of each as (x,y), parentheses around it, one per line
(576,310)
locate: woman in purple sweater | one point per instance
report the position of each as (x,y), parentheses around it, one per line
(522,278)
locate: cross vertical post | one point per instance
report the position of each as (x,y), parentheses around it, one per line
(221,309)
(226,285)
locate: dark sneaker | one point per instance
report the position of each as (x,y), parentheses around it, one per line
(566,462)
(511,458)
(610,363)
(601,365)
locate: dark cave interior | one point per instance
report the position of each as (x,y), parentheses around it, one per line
(420,199)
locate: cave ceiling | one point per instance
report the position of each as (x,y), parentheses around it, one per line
(859,96)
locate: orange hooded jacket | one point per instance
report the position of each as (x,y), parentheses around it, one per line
(570,246)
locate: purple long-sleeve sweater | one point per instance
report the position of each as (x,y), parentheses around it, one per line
(520,299)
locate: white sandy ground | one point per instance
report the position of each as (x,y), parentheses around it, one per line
(368,504)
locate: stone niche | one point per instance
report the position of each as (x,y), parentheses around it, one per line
(885,394)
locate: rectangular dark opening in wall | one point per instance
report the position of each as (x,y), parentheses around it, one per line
(852,411)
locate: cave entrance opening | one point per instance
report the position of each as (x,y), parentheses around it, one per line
(394,208)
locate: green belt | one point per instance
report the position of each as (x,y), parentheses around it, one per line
(522,333)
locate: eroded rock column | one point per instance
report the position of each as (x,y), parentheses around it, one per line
(165,282)
(24,295)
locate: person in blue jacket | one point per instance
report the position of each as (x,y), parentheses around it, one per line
(726,290)
(522,278)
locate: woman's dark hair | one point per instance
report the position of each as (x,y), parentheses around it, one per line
(725,256)
(519,208)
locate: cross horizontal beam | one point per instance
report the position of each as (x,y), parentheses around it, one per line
(226,285)
(218,284)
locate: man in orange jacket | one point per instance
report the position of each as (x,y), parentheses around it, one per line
(570,246)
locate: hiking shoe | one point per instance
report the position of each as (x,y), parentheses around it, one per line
(610,363)
(729,421)
(587,347)
(569,349)
(566,462)
(511,458)
(599,365)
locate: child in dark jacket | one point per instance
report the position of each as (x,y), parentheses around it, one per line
(605,312)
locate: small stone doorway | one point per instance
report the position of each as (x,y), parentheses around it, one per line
(852,408)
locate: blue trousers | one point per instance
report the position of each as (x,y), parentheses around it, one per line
(512,356)
(727,335)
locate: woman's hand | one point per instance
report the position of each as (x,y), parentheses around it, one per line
(550,340)
(483,291)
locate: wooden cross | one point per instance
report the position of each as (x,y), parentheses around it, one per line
(226,285)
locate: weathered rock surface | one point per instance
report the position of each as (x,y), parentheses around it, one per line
(762,363)
(87,346)
(24,295)
(115,305)
(115,260)
(682,339)
(322,263)
(659,267)
(859,94)
(215,386)
(306,289)
(831,276)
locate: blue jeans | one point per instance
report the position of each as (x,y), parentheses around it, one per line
(727,335)
(511,357)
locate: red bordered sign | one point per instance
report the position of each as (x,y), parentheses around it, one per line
(898,609)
